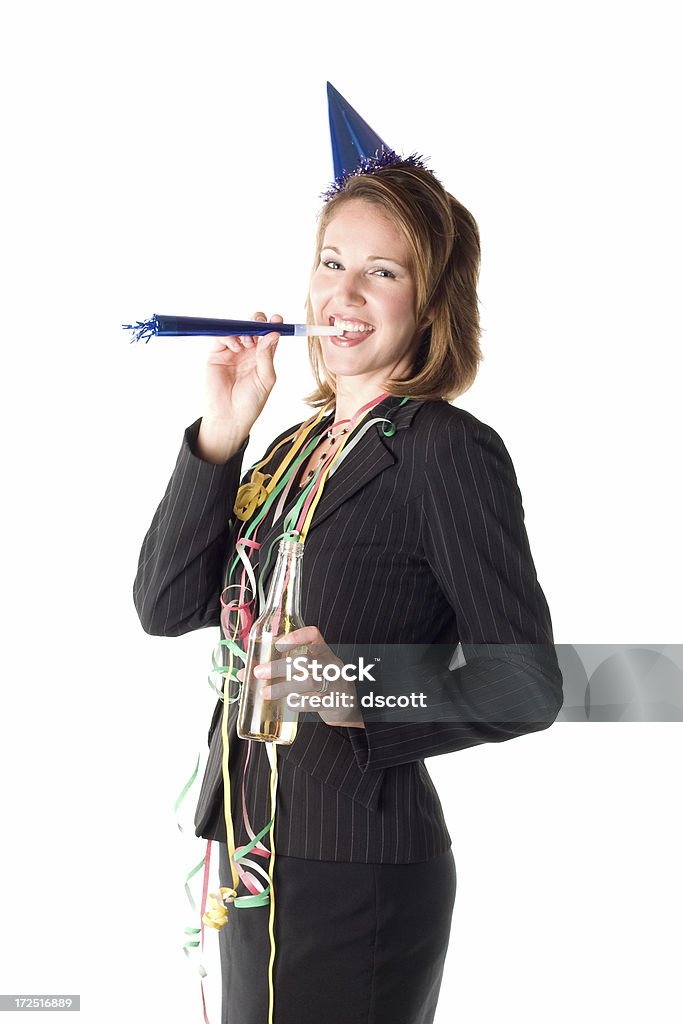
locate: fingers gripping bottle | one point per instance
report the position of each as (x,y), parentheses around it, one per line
(273,721)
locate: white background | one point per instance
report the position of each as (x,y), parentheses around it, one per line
(167,157)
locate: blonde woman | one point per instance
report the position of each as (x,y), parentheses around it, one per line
(418,541)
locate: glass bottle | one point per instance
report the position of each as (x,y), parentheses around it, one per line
(273,721)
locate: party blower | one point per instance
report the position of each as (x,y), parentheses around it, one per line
(202,326)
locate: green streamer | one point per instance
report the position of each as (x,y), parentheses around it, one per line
(184,791)
(191,875)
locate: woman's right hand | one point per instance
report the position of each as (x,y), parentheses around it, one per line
(239,378)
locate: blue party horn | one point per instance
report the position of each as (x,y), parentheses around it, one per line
(203,326)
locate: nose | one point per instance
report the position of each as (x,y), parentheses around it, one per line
(349,290)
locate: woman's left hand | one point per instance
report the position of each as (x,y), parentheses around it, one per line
(308,681)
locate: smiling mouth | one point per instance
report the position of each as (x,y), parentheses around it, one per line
(351,330)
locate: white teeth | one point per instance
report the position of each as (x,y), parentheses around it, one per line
(345,325)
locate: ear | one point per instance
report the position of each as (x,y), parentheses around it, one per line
(427,318)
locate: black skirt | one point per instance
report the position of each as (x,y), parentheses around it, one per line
(354,943)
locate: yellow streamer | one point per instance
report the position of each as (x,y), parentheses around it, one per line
(256,491)
(251,495)
(319,489)
(217,914)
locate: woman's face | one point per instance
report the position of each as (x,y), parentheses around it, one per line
(365,284)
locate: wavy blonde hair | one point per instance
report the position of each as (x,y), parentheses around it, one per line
(443,239)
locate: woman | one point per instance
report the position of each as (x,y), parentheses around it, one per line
(418,540)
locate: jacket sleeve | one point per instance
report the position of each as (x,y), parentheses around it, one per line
(181,564)
(475,542)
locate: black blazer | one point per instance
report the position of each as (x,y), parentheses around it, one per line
(418,539)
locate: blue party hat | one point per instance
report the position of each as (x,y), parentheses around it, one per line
(352,137)
(356,148)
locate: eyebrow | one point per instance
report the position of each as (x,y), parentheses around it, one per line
(383,259)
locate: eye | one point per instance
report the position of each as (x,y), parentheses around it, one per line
(383,272)
(331,264)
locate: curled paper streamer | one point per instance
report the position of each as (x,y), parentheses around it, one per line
(251,495)
(217,914)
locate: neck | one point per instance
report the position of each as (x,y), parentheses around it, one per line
(348,401)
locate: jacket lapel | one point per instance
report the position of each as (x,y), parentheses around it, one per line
(369,457)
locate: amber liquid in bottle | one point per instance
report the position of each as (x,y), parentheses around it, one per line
(273,721)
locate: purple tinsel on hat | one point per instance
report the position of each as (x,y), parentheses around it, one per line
(370,164)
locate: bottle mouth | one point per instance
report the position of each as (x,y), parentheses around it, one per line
(292,547)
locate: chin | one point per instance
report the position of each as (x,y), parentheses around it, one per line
(346,367)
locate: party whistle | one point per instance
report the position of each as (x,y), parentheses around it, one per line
(198,326)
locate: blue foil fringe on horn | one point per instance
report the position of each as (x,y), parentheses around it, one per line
(143,330)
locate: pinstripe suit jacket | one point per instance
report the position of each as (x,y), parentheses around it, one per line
(419,538)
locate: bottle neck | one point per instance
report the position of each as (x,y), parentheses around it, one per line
(284,594)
